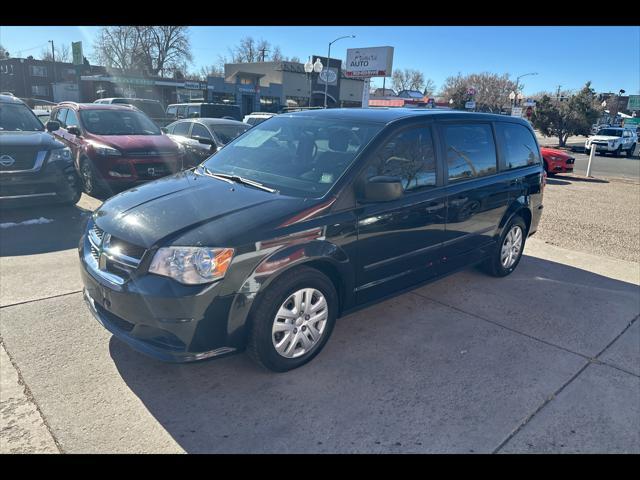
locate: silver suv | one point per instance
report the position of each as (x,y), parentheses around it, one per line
(614,140)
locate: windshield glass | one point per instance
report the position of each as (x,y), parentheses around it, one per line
(15,117)
(226,133)
(118,122)
(298,155)
(610,132)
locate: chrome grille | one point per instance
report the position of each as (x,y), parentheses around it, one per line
(98,231)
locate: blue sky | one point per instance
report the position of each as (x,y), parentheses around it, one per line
(567,56)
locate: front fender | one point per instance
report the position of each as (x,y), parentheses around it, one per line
(316,253)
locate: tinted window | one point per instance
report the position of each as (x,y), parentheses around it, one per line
(470,151)
(182,110)
(153,109)
(182,129)
(226,133)
(72,118)
(18,118)
(200,131)
(610,132)
(408,155)
(297,155)
(193,112)
(518,146)
(172,111)
(118,122)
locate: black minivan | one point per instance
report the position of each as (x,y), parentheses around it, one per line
(303,219)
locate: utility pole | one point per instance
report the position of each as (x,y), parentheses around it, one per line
(53,57)
(558,93)
(263,50)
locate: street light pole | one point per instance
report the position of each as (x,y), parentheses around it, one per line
(326,77)
(518,81)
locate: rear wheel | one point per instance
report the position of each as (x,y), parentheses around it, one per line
(293,320)
(508,251)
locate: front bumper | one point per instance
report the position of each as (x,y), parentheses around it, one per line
(601,147)
(51,184)
(138,169)
(158,316)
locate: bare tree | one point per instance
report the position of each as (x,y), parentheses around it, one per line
(407,79)
(492,90)
(429,88)
(3,53)
(63,54)
(156,50)
(250,50)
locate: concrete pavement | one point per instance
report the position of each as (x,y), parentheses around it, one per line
(545,360)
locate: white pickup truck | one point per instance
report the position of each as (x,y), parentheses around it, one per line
(613,140)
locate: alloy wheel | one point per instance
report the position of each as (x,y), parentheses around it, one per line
(511,247)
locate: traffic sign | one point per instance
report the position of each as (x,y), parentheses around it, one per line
(471,91)
(634,102)
(516,112)
(470,105)
(76,49)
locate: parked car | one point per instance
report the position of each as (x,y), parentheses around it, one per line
(114,145)
(257,117)
(177,111)
(34,167)
(614,140)
(303,219)
(557,161)
(153,108)
(43,115)
(203,137)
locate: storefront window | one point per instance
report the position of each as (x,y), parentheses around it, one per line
(222,98)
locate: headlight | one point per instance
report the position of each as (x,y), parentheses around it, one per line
(192,265)
(60,154)
(105,150)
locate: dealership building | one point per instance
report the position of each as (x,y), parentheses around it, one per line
(271,86)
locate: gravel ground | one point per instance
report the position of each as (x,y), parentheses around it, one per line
(597,217)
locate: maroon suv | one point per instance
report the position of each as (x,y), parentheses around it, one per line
(114,146)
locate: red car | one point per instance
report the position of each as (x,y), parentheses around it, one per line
(114,145)
(557,161)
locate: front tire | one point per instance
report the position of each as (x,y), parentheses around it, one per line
(631,150)
(507,253)
(90,182)
(293,320)
(618,151)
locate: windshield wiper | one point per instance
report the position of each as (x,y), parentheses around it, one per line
(238,179)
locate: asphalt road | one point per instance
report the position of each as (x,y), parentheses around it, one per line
(607,166)
(466,364)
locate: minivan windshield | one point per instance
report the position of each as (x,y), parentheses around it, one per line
(610,132)
(15,117)
(300,156)
(118,122)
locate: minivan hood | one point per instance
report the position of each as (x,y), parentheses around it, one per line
(40,140)
(192,206)
(126,143)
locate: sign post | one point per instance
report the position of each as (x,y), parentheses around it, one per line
(591,155)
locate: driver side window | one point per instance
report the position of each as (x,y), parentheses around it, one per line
(409,155)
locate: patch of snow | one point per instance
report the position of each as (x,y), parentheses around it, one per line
(33,221)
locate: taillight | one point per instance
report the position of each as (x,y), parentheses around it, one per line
(544,180)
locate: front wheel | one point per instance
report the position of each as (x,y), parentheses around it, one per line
(618,151)
(293,320)
(631,150)
(90,182)
(508,251)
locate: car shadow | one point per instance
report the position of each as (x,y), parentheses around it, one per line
(386,369)
(41,229)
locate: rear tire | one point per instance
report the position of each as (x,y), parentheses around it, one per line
(501,263)
(278,320)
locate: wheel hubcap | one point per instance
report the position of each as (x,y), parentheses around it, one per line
(86,176)
(300,323)
(511,247)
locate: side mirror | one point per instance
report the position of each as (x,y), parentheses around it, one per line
(382,189)
(52,126)
(164,130)
(205,141)
(73,130)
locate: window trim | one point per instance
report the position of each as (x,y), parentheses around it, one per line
(77,124)
(441,125)
(211,135)
(188,122)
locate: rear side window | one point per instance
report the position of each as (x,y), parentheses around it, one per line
(470,150)
(408,155)
(518,146)
(182,129)
(193,112)
(172,111)
(199,131)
